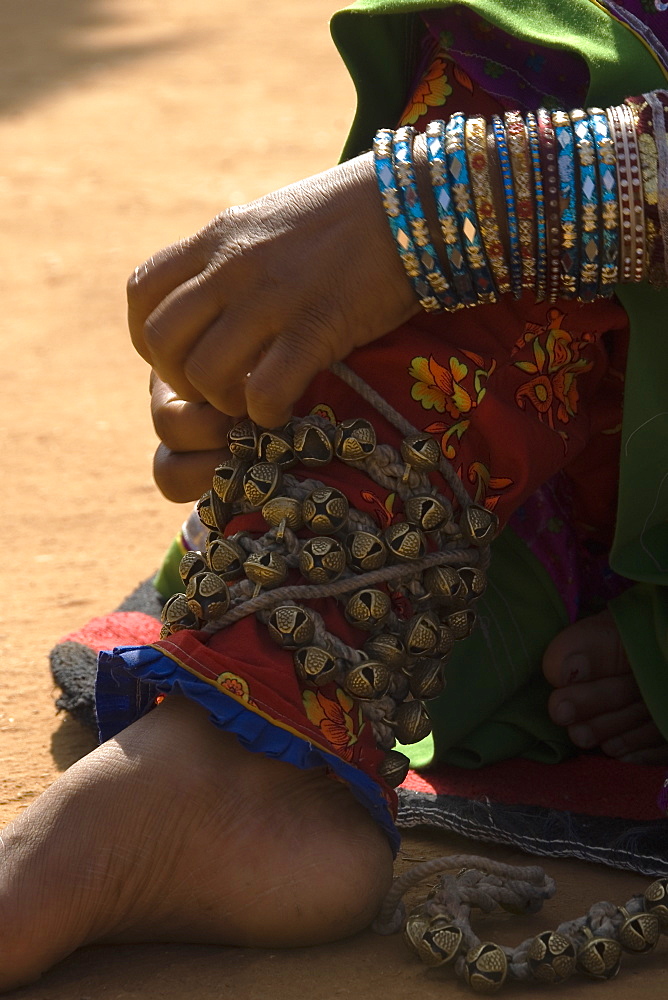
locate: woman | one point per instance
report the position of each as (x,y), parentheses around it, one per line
(282,288)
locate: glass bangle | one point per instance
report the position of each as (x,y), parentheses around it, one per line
(568,203)
(461,275)
(509,194)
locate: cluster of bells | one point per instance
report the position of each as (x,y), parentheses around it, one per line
(408,666)
(552,957)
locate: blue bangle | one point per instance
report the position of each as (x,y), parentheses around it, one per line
(382,157)
(570,256)
(607,172)
(455,152)
(404,172)
(590,211)
(461,276)
(511,211)
(539,198)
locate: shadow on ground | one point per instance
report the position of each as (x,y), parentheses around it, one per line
(46,45)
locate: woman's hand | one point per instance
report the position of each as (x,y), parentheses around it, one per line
(193,439)
(246,312)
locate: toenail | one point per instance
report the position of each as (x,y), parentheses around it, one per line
(582,736)
(575,669)
(564,713)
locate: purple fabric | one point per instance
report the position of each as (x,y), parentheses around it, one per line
(579,569)
(517,73)
(648,19)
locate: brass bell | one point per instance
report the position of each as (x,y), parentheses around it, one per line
(417,920)
(312,446)
(388,648)
(656,902)
(405,541)
(479,525)
(428,513)
(421,451)
(394,768)
(444,583)
(176,614)
(367,680)
(325,510)
(242,440)
(277,446)
(426,679)
(445,644)
(640,932)
(266,569)
(411,722)
(354,440)
(314,665)
(261,482)
(368,608)
(474,582)
(191,563)
(485,968)
(228,480)
(460,623)
(291,626)
(208,596)
(551,958)
(441,942)
(282,512)
(225,557)
(422,634)
(205,511)
(322,559)
(365,551)
(598,957)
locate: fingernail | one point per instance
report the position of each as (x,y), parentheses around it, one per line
(575,669)
(564,713)
(582,736)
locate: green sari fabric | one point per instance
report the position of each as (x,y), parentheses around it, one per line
(495,706)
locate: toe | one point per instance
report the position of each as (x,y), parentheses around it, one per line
(609,727)
(585,651)
(643,744)
(582,702)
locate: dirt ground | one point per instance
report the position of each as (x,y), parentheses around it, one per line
(124,126)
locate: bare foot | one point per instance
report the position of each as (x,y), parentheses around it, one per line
(596,694)
(174,832)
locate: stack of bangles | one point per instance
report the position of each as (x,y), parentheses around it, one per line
(560,204)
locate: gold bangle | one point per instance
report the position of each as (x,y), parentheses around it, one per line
(475,136)
(518,147)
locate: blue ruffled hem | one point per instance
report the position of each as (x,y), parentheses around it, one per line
(131,677)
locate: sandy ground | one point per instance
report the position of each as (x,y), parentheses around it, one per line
(124,126)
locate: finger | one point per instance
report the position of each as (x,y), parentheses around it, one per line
(219,363)
(185,426)
(287,368)
(174,328)
(153,280)
(184,476)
